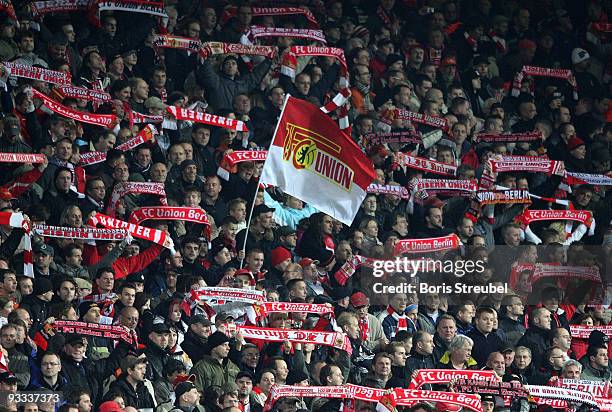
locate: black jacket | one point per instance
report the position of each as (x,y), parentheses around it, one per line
(139,398)
(513,329)
(157,360)
(484,345)
(415,362)
(538,340)
(194,346)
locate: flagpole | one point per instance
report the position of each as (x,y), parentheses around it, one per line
(259,180)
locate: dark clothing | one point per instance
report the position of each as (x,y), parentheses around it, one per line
(484,345)
(417,361)
(38,309)
(194,346)
(513,330)
(157,360)
(536,339)
(139,398)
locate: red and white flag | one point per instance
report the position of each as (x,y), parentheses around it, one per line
(312,159)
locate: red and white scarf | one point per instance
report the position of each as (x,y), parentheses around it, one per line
(318,338)
(92,158)
(140,232)
(125,188)
(138,118)
(262,309)
(185,214)
(388,190)
(433,376)
(215,48)
(536,135)
(401,137)
(103,120)
(583,216)
(114,332)
(180,113)
(145,135)
(427,245)
(37,73)
(598,389)
(230,12)
(570,395)
(583,331)
(240,156)
(534,164)
(58,6)
(16,220)
(431,166)
(134,6)
(433,185)
(257,32)
(402,320)
(421,118)
(22,157)
(504,197)
(81,233)
(500,43)
(585,178)
(83,93)
(221,295)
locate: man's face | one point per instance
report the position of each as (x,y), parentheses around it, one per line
(85,404)
(399,357)
(121,173)
(67,291)
(543,320)
(557,358)
(8,338)
(600,360)
(498,364)
(110,27)
(212,187)
(92,315)
(50,366)
(572,372)
(382,367)
(513,236)
(221,351)
(42,260)
(303,82)
(76,351)
(583,197)
(245,386)
(190,173)
(447,329)
(160,339)
(250,357)
(63,180)
(191,251)
(485,322)
(10,283)
(201,136)
(127,297)
(176,154)
(106,281)
(435,217)
(138,372)
(159,172)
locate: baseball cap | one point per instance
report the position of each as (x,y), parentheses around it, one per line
(154,103)
(201,319)
(160,327)
(359,299)
(135,278)
(109,406)
(285,231)
(74,339)
(223,316)
(8,377)
(449,61)
(579,55)
(262,208)
(183,388)
(307,262)
(44,249)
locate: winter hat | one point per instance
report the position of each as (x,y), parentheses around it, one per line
(575,142)
(42,286)
(279,255)
(216,339)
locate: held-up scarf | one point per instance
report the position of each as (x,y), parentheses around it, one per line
(81,233)
(92,158)
(569,395)
(602,27)
(134,6)
(231,12)
(349,267)
(37,73)
(500,43)
(426,119)
(289,61)
(542,72)
(283,391)
(7,7)
(504,197)
(141,232)
(598,389)
(58,6)
(583,331)
(402,320)
(169,41)
(221,295)
(434,244)
(524,163)
(22,157)
(180,113)
(491,387)
(257,32)
(541,271)
(103,120)
(402,137)
(185,214)
(388,190)
(83,93)
(433,376)
(16,220)
(426,165)
(240,156)
(215,47)
(583,216)
(509,138)
(417,185)
(138,118)
(585,178)
(145,135)
(125,188)
(333,339)
(114,332)
(262,309)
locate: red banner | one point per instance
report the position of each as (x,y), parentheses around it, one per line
(583,332)
(504,196)
(287,307)
(220,295)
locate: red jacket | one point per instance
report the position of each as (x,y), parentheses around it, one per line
(123,266)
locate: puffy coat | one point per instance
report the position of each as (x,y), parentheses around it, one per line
(210,372)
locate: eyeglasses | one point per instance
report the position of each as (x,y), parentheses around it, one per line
(49,364)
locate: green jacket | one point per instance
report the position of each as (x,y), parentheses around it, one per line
(210,372)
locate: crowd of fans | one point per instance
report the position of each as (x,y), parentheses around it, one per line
(454,59)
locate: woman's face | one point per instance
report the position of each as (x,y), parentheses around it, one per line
(579,152)
(587,322)
(266,382)
(372,229)
(172,338)
(175,313)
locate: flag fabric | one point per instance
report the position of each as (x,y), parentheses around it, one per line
(312,159)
